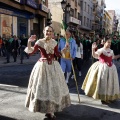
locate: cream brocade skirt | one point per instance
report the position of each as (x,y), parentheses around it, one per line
(47,89)
(101,82)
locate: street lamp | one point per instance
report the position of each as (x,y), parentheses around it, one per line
(116,23)
(66,9)
(63,4)
(49,18)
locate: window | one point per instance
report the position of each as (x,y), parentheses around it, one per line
(75,13)
(87,24)
(90,23)
(79,2)
(72,12)
(76,3)
(78,16)
(81,5)
(88,9)
(91,11)
(84,21)
(81,20)
(85,6)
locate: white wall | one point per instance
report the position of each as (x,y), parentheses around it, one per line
(14,20)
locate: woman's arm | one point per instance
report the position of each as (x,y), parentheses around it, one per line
(116,56)
(93,50)
(29,49)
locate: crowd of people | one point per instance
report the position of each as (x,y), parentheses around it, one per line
(48,86)
(13,46)
(49,80)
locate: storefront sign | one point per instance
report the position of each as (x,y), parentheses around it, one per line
(18,1)
(4,11)
(44,8)
(74,20)
(32,3)
(16,13)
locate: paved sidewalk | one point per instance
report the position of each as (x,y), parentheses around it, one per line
(32,59)
(12,100)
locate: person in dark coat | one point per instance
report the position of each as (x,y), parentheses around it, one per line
(14,47)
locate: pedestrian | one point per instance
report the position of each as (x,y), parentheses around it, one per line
(23,44)
(79,56)
(14,48)
(47,91)
(68,48)
(101,81)
(7,45)
(115,46)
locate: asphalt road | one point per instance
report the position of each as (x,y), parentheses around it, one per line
(13,87)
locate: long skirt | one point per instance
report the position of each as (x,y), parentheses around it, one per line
(101,82)
(47,90)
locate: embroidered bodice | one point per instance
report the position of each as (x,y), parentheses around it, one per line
(48,49)
(105,56)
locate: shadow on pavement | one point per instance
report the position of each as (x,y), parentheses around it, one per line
(115,104)
(6,118)
(83,112)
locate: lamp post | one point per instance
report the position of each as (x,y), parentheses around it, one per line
(66,9)
(116,23)
(49,18)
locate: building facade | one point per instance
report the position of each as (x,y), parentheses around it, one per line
(86,15)
(114,20)
(70,18)
(107,23)
(19,17)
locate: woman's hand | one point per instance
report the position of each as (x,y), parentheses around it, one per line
(94,45)
(32,38)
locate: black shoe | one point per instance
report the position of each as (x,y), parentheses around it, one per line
(68,84)
(51,117)
(105,102)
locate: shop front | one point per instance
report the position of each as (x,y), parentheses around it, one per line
(13,22)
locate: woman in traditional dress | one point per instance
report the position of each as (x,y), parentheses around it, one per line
(101,81)
(47,90)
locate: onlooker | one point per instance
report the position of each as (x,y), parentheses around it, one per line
(14,48)
(79,56)
(24,41)
(7,44)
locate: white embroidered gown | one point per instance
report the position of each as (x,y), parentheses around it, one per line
(47,90)
(101,81)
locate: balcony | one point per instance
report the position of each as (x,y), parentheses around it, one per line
(75,21)
(97,19)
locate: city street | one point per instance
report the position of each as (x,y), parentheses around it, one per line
(13,86)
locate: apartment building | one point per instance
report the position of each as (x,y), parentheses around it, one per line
(114,20)
(74,19)
(107,23)
(71,18)
(19,17)
(86,15)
